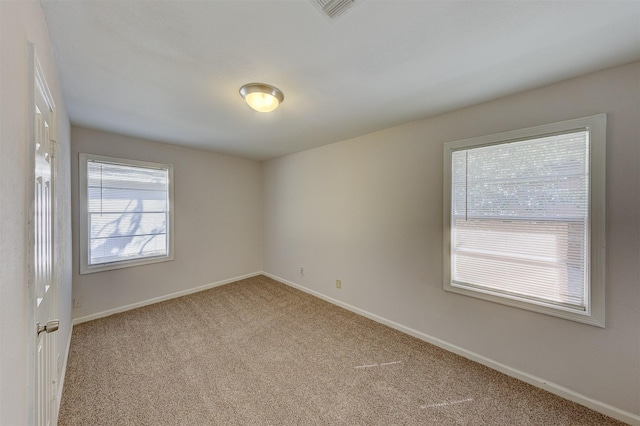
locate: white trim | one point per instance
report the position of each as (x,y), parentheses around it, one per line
(596,126)
(536,381)
(31,311)
(158,299)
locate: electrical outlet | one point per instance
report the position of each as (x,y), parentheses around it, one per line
(338,283)
(76,303)
(302,271)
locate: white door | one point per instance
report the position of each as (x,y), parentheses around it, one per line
(42,250)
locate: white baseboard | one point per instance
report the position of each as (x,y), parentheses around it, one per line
(140,304)
(561,391)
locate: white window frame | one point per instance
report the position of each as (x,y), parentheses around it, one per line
(85,267)
(595,125)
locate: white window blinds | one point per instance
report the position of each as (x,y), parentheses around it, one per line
(520,219)
(127,212)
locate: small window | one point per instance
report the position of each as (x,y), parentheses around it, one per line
(126,213)
(524,218)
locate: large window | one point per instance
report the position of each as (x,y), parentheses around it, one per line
(524,218)
(126,213)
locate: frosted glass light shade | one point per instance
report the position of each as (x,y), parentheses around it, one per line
(262,102)
(261,97)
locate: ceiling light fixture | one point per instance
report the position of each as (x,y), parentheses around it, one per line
(262,97)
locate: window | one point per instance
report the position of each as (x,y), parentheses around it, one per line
(524,218)
(126,213)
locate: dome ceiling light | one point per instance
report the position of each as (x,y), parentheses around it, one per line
(262,97)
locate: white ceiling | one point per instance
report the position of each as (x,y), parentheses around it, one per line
(171,70)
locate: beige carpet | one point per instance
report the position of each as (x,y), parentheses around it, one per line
(257,352)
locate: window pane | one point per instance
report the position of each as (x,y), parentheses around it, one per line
(544,177)
(126,248)
(127,212)
(130,200)
(519,218)
(126,224)
(108,175)
(538,260)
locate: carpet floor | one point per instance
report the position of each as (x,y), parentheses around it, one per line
(257,352)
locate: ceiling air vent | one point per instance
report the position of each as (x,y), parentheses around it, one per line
(334,8)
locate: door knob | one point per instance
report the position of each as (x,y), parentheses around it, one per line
(49,327)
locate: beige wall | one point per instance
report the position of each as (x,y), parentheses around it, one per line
(20,22)
(368,211)
(218,223)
